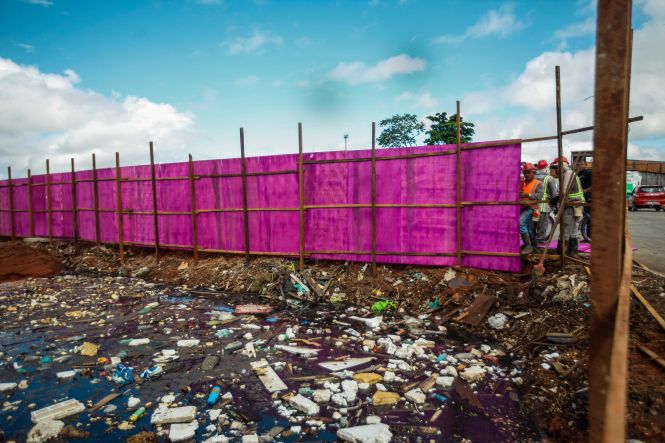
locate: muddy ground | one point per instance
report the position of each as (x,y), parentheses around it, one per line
(532,388)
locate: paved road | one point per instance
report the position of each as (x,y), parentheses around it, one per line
(647,228)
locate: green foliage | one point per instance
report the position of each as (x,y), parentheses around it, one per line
(400,130)
(444,130)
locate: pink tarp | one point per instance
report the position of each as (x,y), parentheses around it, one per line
(488,174)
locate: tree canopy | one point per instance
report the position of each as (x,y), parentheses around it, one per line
(400,130)
(444,129)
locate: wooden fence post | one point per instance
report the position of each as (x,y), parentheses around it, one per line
(192,193)
(561,172)
(243,169)
(458,186)
(31,220)
(153,183)
(10,192)
(118,194)
(49,210)
(373,198)
(74,204)
(95,198)
(301,200)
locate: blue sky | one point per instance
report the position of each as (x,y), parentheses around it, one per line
(89,76)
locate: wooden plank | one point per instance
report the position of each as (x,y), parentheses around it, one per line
(561,173)
(458,188)
(75,223)
(31,220)
(479,309)
(607,382)
(651,354)
(10,196)
(153,184)
(118,193)
(373,198)
(95,198)
(638,295)
(192,194)
(245,213)
(301,200)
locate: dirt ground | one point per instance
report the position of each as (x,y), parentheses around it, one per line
(552,381)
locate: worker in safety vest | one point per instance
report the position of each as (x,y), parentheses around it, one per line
(572,215)
(542,170)
(545,222)
(531,190)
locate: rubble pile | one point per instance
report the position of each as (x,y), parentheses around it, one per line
(222,350)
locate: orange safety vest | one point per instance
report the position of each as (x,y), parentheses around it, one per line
(530,189)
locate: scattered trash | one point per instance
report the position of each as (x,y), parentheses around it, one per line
(498,321)
(383,305)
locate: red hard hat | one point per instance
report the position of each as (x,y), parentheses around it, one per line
(556,160)
(542,164)
(528,167)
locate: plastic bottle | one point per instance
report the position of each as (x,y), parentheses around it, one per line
(136,415)
(214,395)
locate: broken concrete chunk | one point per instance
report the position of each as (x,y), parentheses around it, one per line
(57,411)
(209,362)
(183,414)
(304,404)
(376,433)
(183,431)
(350,388)
(321,395)
(45,430)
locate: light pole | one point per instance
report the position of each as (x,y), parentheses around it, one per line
(346,137)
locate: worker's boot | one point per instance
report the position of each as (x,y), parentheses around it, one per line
(572,249)
(527,248)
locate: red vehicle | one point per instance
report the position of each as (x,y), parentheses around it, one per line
(647,196)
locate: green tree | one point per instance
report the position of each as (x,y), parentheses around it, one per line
(444,130)
(400,130)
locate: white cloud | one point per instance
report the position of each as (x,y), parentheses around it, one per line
(48,115)
(575,30)
(253,44)
(247,81)
(355,73)
(28,48)
(497,22)
(529,99)
(44,3)
(422,100)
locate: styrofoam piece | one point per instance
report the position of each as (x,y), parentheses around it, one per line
(304,404)
(345,364)
(188,343)
(57,411)
(300,350)
(183,431)
(183,414)
(376,433)
(138,341)
(268,376)
(64,375)
(6,387)
(45,430)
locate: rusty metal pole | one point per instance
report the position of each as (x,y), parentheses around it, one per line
(373,198)
(95,198)
(559,142)
(458,186)
(74,205)
(31,220)
(49,207)
(245,212)
(301,200)
(155,216)
(10,192)
(192,194)
(118,193)
(607,381)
